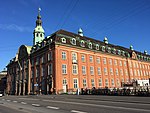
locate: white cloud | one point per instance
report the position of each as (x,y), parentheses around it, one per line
(14,27)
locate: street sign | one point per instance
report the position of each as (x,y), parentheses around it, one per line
(35,84)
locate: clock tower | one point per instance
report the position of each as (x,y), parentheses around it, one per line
(38,31)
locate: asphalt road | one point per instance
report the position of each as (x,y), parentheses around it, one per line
(75,104)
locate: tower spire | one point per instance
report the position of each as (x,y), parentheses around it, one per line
(38,31)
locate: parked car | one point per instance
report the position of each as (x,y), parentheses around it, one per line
(1,94)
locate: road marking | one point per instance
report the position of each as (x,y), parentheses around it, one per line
(15,101)
(28,99)
(23,103)
(97,105)
(8,100)
(51,107)
(74,111)
(37,105)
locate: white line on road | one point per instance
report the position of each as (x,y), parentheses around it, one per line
(74,111)
(96,105)
(8,100)
(23,103)
(37,105)
(15,101)
(51,107)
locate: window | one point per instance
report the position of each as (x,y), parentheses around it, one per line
(73,41)
(43,71)
(92,83)
(112,82)
(84,83)
(91,70)
(104,60)
(138,72)
(83,58)
(125,64)
(115,62)
(99,70)
(98,60)
(63,40)
(105,70)
(82,43)
(74,56)
(64,55)
(118,82)
(37,61)
(90,45)
(121,72)
(100,82)
(91,58)
(75,83)
(131,73)
(110,61)
(64,82)
(50,56)
(50,69)
(83,70)
(111,71)
(74,69)
(120,63)
(37,72)
(135,74)
(126,72)
(64,69)
(127,80)
(97,47)
(117,72)
(43,59)
(106,82)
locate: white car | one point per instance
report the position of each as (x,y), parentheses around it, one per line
(1,94)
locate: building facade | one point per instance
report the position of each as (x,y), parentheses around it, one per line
(64,62)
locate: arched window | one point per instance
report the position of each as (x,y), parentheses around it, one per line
(90,45)
(82,43)
(97,47)
(73,41)
(63,40)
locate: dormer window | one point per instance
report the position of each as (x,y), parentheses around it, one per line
(97,47)
(63,40)
(90,45)
(109,50)
(123,53)
(73,41)
(103,48)
(118,52)
(113,50)
(41,34)
(82,43)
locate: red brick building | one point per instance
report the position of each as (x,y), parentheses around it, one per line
(65,61)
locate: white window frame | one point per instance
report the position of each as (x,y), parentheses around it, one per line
(64,69)
(83,58)
(84,70)
(63,40)
(50,69)
(105,71)
(104,61)
(91,58)
(64,56)
(100,82)
(92,83)
(73,41)
(74,56)
(50,56)
(75,83)
(99,71)
(75,69)
(98,60)
(91,70)
(84,83)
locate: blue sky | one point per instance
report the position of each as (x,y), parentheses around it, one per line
(124,22)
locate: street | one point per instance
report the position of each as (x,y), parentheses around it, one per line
(74,104)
